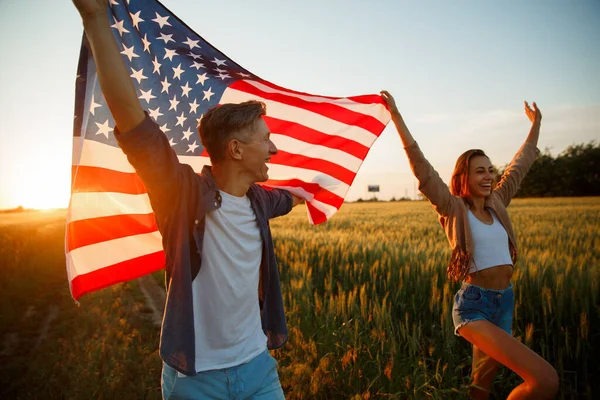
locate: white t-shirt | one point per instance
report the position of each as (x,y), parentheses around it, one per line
(227,320)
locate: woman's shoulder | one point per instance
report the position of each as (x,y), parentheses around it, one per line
(458,208)
(494,201)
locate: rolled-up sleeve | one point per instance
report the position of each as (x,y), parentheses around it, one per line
(279,202)
(149,152)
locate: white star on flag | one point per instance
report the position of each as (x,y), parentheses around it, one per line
(194,106)
(191,43)
(95,105)
(165,38)
(185,90)
(218,62)
(138,75)
(192,147)
(174,102)
(177,72)
(104,129)
(146,95)
(180,120)
(187,133)
(129,52)
(155,113)
(165,86)
(135,19)
(146,43)
(161,21)
(202,78)
(169,53)
(119,27)
(207,94)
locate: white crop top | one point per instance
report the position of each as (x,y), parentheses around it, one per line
(490,244)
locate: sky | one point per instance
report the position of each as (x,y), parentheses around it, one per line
(459,72)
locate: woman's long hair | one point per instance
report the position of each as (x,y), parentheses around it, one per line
(459,183)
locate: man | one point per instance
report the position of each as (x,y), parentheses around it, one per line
(224,307)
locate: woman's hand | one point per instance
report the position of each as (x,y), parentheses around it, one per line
(91,8)
(405,136)
(534,115)
(389,100)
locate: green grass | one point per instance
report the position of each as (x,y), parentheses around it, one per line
(103,349)
(367,304)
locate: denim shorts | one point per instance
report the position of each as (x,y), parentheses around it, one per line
(474,303)
(256,379)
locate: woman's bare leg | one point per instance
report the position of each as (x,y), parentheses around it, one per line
(541,379)
(484,370)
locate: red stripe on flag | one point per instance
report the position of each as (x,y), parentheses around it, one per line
(313,136)
(117,273)
(96,230)
(95,179)
(327,167)
(329,110)
(363,99)
(317,215)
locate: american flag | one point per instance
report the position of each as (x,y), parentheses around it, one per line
(111,233)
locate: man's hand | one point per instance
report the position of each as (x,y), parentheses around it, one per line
(296,200)
(91,8)
(534,115)
(389,100)
(118,89)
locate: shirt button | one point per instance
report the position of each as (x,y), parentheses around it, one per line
(216,203)
(196,222)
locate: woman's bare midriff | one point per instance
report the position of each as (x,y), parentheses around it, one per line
(496,278)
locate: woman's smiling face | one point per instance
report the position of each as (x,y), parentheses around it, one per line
(481,176)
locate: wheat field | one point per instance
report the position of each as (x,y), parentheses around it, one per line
(369,306)
(367,303)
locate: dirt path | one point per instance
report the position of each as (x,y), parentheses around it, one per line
(49,222)
(155,297)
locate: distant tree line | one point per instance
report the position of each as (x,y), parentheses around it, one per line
(574,172)
(14,210)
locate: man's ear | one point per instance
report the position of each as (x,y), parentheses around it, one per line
(235,150)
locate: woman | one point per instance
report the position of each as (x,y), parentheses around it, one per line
(473,214)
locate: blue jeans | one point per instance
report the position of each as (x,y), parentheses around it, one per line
(473,303)
(257,379)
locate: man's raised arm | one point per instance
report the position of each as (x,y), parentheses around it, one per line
(118,90)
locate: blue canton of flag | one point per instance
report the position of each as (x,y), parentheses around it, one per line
(177,74)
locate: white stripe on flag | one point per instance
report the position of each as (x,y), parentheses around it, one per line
(295,146)
(377,111)
(86,205)
(99,255)
(304,117)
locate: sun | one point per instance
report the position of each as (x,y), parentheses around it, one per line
(40,190)
(45,195)
(41,179)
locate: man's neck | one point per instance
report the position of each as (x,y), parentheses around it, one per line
(229,180)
